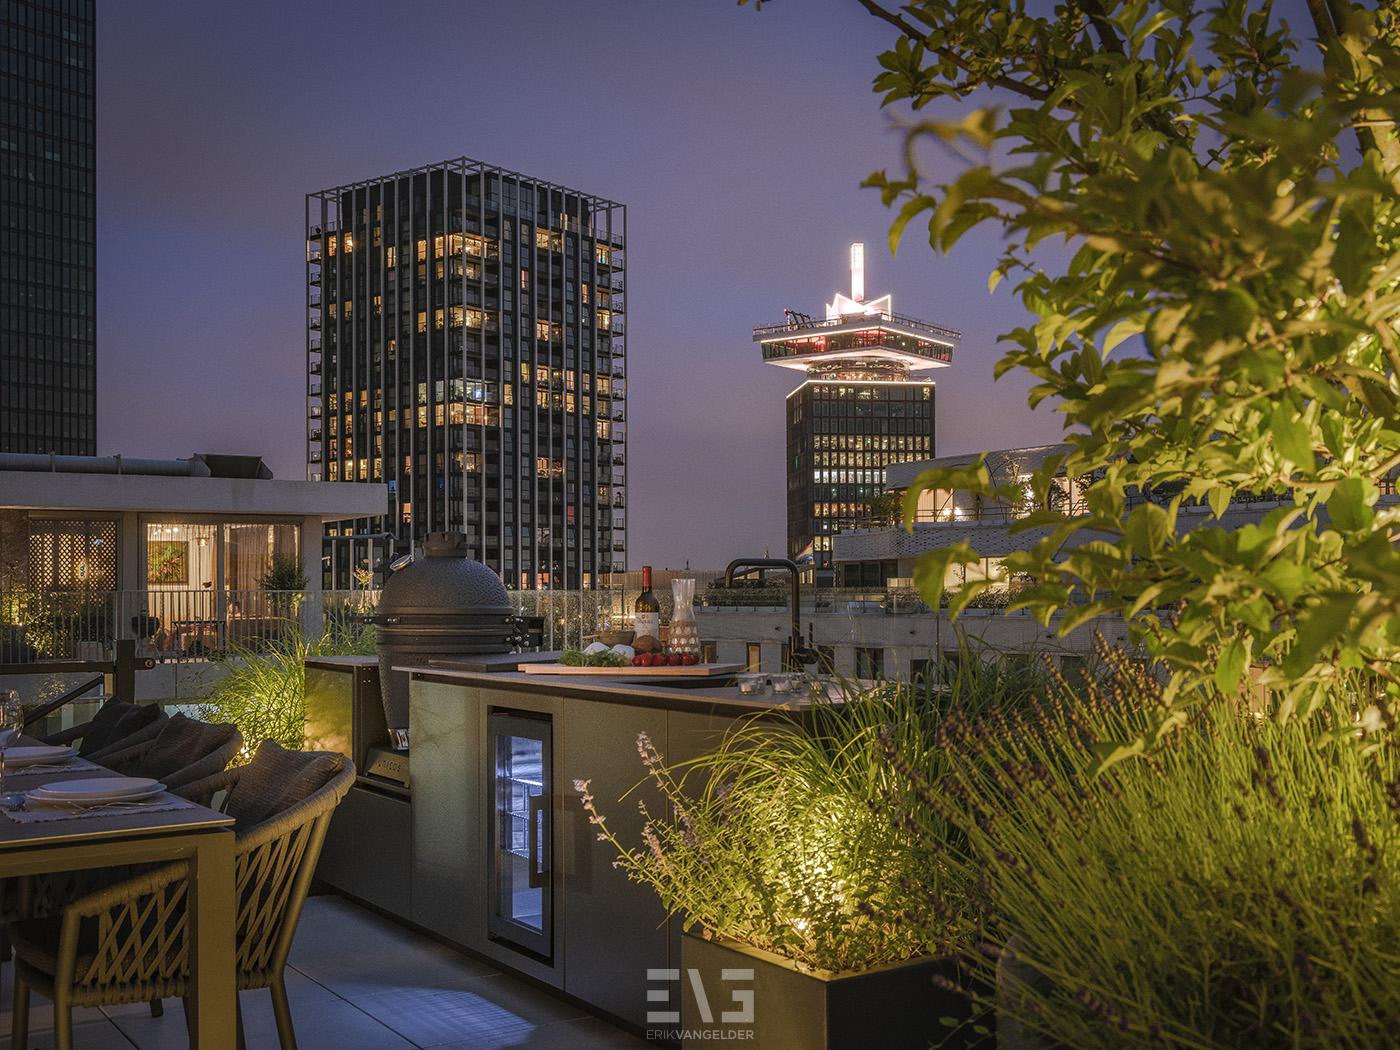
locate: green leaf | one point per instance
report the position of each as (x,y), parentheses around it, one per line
(1231,665)
(1149,528)
(1124,329)
(1318,627)
(1291,436)
(1349,506)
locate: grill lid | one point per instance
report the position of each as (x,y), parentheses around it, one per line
(444,583)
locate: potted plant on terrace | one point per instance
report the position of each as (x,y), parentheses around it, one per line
(779,856)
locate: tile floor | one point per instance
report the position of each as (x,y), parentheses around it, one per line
(359,982)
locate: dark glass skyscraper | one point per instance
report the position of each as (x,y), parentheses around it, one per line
(466,345)
(48,237)
(858,409)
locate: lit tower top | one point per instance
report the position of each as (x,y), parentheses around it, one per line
(857,339)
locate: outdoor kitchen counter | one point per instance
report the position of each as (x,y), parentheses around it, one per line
(637,692)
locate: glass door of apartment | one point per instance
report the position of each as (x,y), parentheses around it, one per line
(521,900)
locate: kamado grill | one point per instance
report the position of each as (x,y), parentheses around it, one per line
(443,606)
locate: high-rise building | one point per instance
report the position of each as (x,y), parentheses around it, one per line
(466,345)
(859,408)
(48,239)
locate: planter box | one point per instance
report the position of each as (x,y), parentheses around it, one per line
(782,1007)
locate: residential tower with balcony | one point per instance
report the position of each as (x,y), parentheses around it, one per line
(466,346)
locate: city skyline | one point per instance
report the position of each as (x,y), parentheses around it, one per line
(743,193)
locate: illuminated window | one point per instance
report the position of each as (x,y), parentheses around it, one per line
(349,245)
(542,330)
(583,291)
(422,320)
(391,256)
(524,279)
(422,251)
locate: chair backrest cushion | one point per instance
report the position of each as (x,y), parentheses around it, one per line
(277,779)
(115,720)
(183,741)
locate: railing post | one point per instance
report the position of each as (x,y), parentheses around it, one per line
(123,677)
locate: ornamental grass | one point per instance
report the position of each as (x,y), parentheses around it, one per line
(1239,885)
(782,839)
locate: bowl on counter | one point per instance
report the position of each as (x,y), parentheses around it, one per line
(616,637)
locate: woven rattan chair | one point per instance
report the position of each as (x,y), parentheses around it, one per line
(118,724)
(129,942)
(184,751)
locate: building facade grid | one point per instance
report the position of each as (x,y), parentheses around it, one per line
(48,237)
(466,345)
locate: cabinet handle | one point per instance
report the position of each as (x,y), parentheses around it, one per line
(538,875)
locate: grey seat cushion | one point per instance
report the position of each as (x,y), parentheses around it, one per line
(277,779)
(115,720)
(183,741)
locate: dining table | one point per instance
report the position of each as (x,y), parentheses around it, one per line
(200,837)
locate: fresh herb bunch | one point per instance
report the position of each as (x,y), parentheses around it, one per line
(577,658)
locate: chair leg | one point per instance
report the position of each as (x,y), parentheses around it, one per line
(19,1017)
(157,1007)
(286,1035)
(62,1025)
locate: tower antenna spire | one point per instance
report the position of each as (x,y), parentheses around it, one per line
(858,272)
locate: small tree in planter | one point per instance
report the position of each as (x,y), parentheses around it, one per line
(284,581)
(778,854)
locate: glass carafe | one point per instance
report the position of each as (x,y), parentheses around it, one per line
(685,633)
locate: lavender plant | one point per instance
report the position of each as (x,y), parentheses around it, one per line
(1240,886)
(781,839)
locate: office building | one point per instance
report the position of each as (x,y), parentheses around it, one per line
(860,408)
(48,237)
(466,346)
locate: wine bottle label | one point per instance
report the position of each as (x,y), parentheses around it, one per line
(648,625)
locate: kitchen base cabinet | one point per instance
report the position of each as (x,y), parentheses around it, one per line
(449,898)
(368,851)
(614,929)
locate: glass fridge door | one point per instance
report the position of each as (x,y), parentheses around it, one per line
(521,898)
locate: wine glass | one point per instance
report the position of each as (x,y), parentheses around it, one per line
(11,725)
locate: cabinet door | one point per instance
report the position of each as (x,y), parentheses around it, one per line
(448,897)
(614,930)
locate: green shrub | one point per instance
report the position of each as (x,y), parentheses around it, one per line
(264,690)
(1239,887)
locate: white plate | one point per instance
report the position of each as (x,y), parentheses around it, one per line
(18,757)
(96,803)
(97,788)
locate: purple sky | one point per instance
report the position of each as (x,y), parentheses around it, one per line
(737,139)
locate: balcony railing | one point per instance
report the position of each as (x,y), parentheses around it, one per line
(170,626)
(937,331)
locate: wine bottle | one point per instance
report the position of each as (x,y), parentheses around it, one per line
(647,623)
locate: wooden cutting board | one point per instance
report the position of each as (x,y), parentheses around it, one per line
(693,671)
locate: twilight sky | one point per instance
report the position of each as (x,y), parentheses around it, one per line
(737,139)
